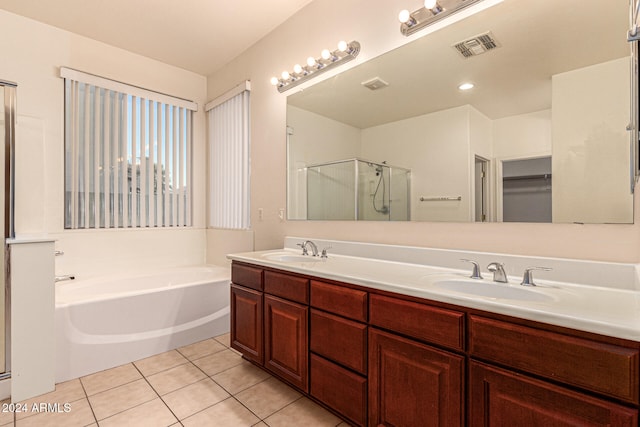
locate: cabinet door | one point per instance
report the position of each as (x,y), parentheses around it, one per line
(246,322)
(501,398)
(286,340)
(412,384)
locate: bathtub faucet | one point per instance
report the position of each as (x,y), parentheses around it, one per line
(65,277)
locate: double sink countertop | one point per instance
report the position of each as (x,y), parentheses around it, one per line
(611,311)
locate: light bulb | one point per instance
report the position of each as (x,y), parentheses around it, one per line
(311,61)
(285,75)
(297,69)
(274,81)
(430,4)
(325,54)
(466,86)
(342,46)
(404,16)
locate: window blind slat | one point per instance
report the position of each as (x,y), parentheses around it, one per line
(187,199)
(143,163)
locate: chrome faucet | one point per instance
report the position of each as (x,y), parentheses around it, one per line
(314,248)
(65,277)
(497,268)
(476,269)
(527,278)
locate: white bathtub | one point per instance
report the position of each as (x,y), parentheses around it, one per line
(112,320)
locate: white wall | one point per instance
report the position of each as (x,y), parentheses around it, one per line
(314,139)
(589,141)
(374,24)
(522,136)
(31,56)
(431,146)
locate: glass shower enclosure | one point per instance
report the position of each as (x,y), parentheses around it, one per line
(357,189)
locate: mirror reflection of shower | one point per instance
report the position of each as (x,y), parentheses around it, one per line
(384,209)
(357,189)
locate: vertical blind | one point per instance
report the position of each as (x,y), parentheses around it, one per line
(127,155)
(229,167)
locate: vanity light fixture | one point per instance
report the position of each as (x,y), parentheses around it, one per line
(433,11)
(327,60)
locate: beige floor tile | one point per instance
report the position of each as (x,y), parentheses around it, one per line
(302,412)
(267,397)
(218,362)
(167,381)
(121,398)
(65,392)
(224,339)
(201,349)
(160,362)
(105,380)
(240,377)
(154,413)
(6,418)
(194,398)
(79,415)
(226,413)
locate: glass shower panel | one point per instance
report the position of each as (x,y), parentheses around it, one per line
(400,194)
(357,189)
(331,191)
(373,194)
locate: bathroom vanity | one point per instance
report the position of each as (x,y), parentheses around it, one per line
(381,357)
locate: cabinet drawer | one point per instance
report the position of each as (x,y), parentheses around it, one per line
(436,325)
(604,368)
(339,300)
(246,276)
(341,340)
(340,389)
(293,288)
(500,397)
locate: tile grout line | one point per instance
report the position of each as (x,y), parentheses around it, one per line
(86,396)
(158,394)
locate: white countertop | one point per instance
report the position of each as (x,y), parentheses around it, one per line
(603,310)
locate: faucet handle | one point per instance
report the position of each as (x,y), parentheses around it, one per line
(527,278)
(476,269)
(304,248)
(324,252)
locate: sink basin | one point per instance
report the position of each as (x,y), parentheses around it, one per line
(288,257)
(492,290)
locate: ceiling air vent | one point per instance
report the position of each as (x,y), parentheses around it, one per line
(477,45)
(375,83)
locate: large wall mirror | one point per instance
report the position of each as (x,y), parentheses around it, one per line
(541,137)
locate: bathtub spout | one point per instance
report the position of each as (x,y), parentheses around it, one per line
(65,277)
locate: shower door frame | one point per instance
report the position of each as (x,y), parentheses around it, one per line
(10,96)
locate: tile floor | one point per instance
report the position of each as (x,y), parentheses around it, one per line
(203,384)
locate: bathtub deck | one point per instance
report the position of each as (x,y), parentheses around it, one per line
(203,384)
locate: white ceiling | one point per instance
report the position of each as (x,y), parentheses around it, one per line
(538,39)
(197,35)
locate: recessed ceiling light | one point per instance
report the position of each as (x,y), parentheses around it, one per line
(466,86)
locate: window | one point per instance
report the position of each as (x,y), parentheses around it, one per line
(229,166)
(127,155)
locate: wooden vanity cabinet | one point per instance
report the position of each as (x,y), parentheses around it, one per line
(286,326)
(412,383)
(247,312)
(498,397)
(269,321)
(382,359)
(338,345)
